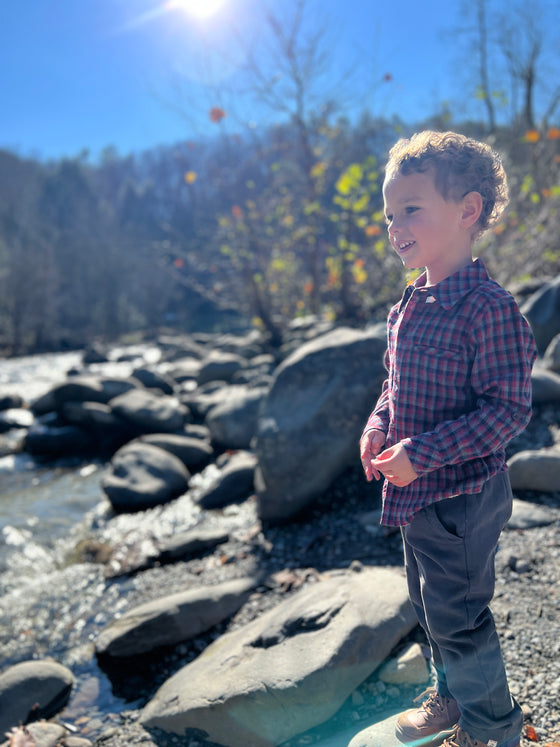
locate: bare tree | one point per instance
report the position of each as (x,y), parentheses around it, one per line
(521,42)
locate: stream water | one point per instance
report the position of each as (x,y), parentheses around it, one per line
(51,605)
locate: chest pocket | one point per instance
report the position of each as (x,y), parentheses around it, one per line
(437,367)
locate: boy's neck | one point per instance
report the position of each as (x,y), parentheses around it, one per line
(435,275)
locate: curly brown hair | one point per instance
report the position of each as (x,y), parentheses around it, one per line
(460,165)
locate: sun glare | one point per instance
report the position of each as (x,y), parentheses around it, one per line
(200,8)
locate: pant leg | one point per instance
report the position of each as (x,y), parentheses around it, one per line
(453,543)
(415,594)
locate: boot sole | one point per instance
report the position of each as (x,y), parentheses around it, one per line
(430,740)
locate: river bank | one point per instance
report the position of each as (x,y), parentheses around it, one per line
(55,604)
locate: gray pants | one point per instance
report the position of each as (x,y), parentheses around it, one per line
(449,557)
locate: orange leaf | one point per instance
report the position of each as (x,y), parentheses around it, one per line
(553,133)
(237,212)
(532,136)
(308,287)
(178,263)
(216,114)
(531,733)
(373,230)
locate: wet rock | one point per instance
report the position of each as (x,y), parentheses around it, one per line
(233,421)
(193,452)
(233,484)
(82,389)
(218,365)
(312,417)
(542,310)
(11,401)
(551,358)
(109,430)
(535,470)
(141,476)
(170,620)
(33,690)
(51,441)
(204,398)
(150,413)
(545,386)
(192,542)
(137,553)
(291,668)
(153,379)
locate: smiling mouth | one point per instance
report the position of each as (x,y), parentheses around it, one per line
(402,246)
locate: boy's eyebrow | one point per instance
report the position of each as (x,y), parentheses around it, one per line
(406,200)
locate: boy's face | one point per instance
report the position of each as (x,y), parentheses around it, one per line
(425,230)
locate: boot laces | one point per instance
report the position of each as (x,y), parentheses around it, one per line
(460,738)
(433,703)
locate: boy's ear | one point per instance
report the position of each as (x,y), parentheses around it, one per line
(472,207)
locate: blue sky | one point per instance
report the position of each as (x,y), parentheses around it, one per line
(78,74)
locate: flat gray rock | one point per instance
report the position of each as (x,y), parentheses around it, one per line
(31,690)
(291,668)
(381,734)
(170,620)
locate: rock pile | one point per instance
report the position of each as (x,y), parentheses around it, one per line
(221,419)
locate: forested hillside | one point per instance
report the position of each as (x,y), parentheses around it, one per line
(261,227)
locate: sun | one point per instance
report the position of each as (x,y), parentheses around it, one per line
(199,8)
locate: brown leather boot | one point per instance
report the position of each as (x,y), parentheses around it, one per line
(460,738)
(430,724)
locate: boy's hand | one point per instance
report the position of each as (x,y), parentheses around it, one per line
(371,444)
(395,466)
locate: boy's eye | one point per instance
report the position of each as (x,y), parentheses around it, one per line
(411,209)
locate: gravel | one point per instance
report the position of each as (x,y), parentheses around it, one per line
(337,532)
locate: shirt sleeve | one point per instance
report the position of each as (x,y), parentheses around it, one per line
(379,418)
(501,386)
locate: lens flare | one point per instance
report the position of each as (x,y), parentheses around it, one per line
(199,8)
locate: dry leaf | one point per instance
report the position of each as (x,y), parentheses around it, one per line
(531,733)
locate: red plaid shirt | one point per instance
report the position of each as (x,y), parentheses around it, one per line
(459,359)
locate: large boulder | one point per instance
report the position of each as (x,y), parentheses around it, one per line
(83,389)
(54,441)
(195,453)
(32,690)
(234,483)
(542,310)
(141,476)
(310,422)
(219,366)
(292,667)
(545,385)
(149,412)
(233,421)
(535,470)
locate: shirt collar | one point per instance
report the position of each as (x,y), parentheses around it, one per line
(453,288)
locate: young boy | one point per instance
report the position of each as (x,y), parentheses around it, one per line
(459,361)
